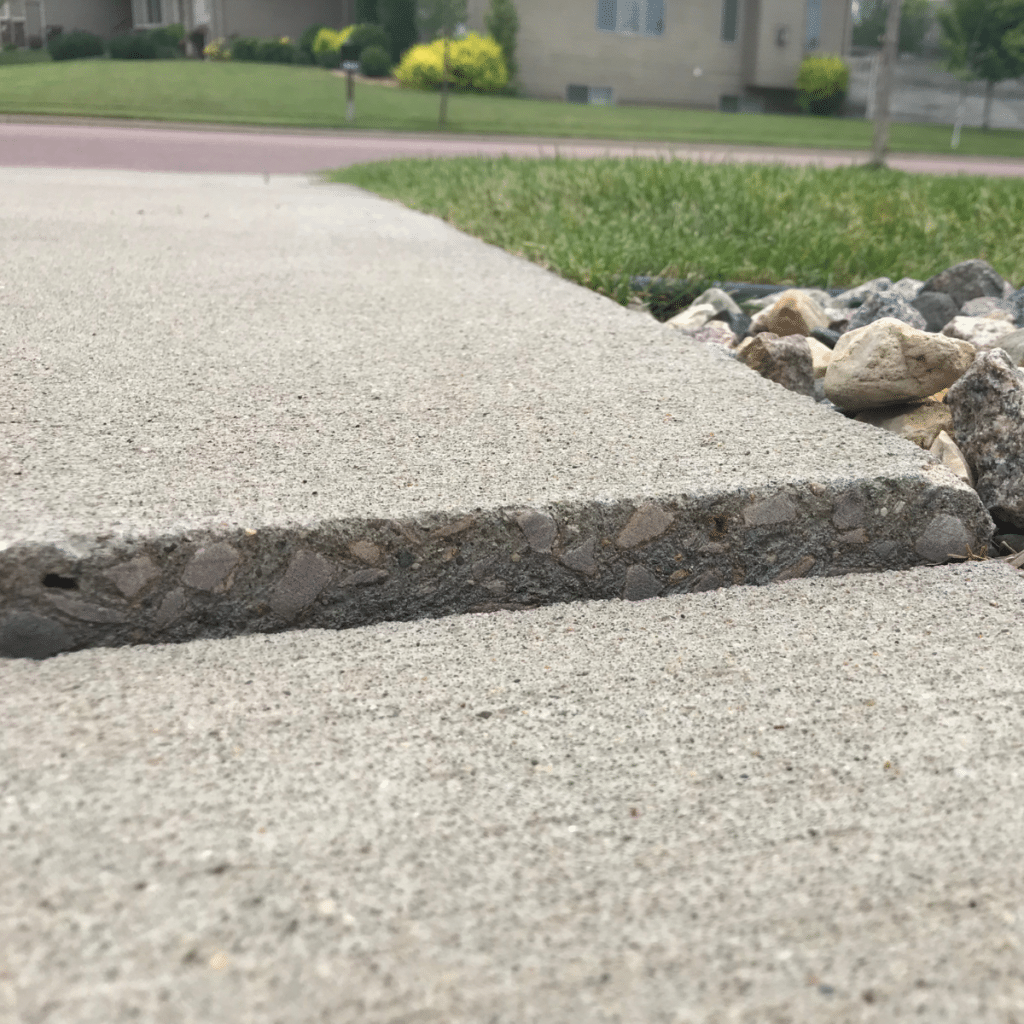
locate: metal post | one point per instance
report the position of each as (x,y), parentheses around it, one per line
(350,108)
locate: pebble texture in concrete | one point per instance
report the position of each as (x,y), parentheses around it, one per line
(798,802)
(237,405)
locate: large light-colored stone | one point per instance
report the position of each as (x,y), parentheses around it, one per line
(821,356)
(921,423)
(693,317)
(721,300)
(981,332)
(988,415)
(787,361)
(889,361)
(1013,345)
(947,451)
(793,313)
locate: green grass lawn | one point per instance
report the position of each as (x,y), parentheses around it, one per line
(599,222)
(264,94)
(24,56)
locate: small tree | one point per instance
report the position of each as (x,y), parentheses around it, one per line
(984,39)
(440,18)
(915,17)
(503,25)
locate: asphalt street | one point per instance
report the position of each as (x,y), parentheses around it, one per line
(36,142)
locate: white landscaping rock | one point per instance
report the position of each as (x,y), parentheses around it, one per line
(795,312)
(945,449)
(693,317)
(981,332)
(821,356)
(889,361)
(921,423)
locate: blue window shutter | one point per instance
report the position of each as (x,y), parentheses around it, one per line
(607,14)
(655,18)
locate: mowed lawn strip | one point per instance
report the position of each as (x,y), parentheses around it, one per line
(267,94)
(599,222)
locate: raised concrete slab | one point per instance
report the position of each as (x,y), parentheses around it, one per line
(798,802)
(242,405)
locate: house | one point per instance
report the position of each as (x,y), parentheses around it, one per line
(265,19)
(726,54)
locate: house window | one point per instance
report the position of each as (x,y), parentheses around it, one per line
(631,17)
(730,17)
(154,12)
(813,24)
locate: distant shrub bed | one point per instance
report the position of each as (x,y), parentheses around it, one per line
(475,63)
(76,45)
(157,44)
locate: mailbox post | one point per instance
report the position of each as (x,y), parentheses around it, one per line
(350,65)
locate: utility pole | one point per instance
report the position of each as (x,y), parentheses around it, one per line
(883,87)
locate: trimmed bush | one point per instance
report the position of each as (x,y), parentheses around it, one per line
(475,63)
(217,49)
(276,51)
(327,46)
(75,45)
(375,62)
(133,46)
(822,84)
(365,36)
(244,48)
(306,41)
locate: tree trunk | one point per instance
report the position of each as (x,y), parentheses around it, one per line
(880,145)
(987,115)
(443,118)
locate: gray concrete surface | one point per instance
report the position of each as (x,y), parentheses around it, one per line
(795,803)
(243,405)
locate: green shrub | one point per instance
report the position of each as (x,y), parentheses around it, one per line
(133,46)
(217,49)
(276,51)
(475,63)
(327,45)
(168,36)
(302,57)
(74,45)
(244,48)
(822,84)
(305,44)
(365,36)
(375,62)
(503,26)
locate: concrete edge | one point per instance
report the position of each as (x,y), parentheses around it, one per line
(208,582)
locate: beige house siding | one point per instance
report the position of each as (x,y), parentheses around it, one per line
(271,19)
(102,17)
(265,19)
(688,64)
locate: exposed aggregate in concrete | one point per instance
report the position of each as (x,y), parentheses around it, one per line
(356,572)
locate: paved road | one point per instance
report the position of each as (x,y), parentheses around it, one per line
(160,147)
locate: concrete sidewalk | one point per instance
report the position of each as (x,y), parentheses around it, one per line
(790,803)
(242,406)
(784,788)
